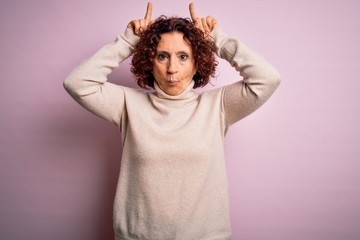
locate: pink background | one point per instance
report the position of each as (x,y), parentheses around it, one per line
(293,166)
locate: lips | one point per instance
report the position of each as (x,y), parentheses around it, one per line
(171,83)
(171,80)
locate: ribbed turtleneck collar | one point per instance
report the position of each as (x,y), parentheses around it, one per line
(186,94)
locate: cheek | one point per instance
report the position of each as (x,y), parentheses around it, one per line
(157,71)
(156,68)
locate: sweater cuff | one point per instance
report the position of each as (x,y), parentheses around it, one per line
(218,37)
(130,37)
(125,43)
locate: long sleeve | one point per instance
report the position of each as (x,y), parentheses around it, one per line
(260,79)
(88,85)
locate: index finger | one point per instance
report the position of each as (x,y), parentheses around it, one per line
(148,11)
(192,11)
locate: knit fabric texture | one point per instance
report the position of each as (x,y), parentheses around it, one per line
(173,182)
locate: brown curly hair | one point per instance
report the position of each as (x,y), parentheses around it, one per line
(145,51)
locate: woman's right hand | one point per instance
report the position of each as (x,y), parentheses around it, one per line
(140,25)
(205,24)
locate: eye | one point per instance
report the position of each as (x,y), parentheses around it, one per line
(162,56)
(183,57)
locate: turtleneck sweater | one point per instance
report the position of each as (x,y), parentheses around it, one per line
(172,182)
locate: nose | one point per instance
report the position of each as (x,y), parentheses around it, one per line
(172,66)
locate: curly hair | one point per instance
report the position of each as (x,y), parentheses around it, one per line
(145,51)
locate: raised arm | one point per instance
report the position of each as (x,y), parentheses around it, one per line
(260,79)
(87,83)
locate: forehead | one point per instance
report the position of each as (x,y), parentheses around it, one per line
(173,41)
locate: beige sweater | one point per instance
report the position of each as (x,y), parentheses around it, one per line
(172,182)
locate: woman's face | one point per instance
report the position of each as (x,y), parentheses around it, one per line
(174,65)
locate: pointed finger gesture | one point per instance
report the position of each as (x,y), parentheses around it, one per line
(140,25)
(206,25)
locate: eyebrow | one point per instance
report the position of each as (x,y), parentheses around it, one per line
(177,53)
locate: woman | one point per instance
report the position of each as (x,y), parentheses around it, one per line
(172,182)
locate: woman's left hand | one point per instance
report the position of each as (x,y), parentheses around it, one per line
(140,25)
(206,25)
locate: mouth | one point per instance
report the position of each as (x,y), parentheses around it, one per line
(171,81)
